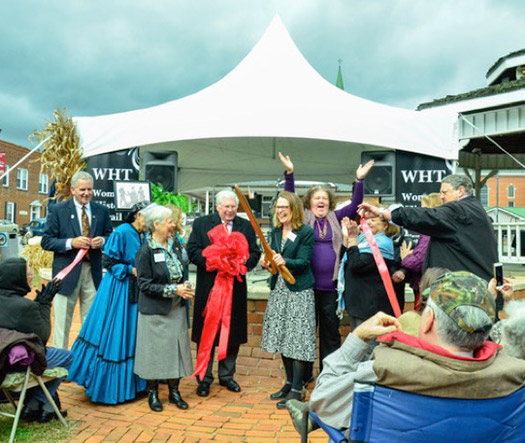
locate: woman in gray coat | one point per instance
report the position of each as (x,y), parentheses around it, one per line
(163,345)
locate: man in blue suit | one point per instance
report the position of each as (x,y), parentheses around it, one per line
(76,224)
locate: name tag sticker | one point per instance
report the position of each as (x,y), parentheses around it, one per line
(291,236)
(159,257)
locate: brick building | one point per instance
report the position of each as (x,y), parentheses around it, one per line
(23,191)
(507,190)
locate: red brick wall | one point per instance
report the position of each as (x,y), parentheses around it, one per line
(504,183)
(252,361)
(20,197)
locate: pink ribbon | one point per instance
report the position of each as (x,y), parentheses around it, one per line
(64,272)
(381,267)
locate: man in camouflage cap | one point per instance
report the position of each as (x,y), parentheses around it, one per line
(450,358)
(456,289)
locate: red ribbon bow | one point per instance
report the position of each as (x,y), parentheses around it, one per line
(227,255)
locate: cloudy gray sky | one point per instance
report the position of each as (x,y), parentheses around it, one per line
(99,57)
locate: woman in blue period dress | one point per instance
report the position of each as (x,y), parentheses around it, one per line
(104,352)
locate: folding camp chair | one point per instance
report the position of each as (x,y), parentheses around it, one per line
(21,382)
(381,414)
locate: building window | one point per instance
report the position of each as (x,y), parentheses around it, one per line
(36,207)
(511,191)
(10,211)
(5,180)
(21,179)
(35,212)
(511,204)
(484,195)
(43,186)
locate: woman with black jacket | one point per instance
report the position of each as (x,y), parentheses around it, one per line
(289,320)
(163,345)
(364,292)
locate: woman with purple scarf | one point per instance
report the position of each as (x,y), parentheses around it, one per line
(320,214)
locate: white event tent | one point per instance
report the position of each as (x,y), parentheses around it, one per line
(273,100)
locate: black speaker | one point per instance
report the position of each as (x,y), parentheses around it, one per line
(256,204)
(161,168)
(380,181)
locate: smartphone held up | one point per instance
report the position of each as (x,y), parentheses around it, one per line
(498,275)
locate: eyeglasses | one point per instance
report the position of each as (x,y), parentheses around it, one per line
(282,207)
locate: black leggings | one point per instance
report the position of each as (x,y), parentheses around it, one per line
(295,372)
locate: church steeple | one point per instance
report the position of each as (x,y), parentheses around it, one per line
(339,82)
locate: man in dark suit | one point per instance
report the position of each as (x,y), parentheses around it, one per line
(76,224)
(226,205)
(461,234)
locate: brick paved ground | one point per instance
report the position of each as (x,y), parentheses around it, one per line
(223,416)
(249,416)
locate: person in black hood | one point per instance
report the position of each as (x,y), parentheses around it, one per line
(31,316)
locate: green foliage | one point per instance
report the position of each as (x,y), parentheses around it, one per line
(162,197)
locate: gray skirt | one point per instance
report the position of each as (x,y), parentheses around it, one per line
(289,323)
(163,345)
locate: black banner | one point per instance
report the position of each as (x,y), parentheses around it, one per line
(417,175)
(108,168)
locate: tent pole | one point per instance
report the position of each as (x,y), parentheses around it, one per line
(12,168)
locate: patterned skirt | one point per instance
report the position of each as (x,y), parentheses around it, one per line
(289,323)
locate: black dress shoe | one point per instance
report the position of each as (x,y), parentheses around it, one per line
(282,393)
(203,390)
(292,395)
(31,412)
(231,385)
(47,416)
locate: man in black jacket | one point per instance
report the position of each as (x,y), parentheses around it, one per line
(24,315)
(461,235)
(226,214)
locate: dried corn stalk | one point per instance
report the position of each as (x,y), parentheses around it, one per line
(61,155)
(36,257)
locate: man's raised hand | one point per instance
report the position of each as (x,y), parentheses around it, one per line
(377,325)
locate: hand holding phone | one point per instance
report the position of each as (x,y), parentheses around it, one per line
(498,275)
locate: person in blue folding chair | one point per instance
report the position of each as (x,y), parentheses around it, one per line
(450,360)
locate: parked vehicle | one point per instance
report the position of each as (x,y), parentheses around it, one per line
(34,227)
(4,222)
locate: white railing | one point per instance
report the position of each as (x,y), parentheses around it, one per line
(510,244)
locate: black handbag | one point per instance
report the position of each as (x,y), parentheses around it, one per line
(133,286)
(133,289)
